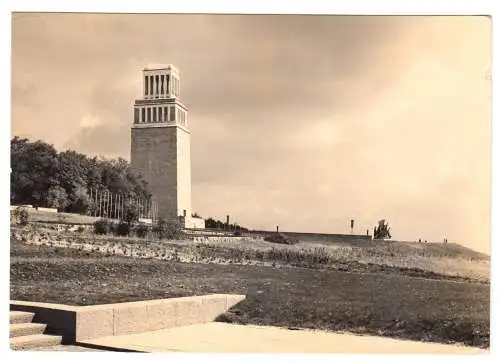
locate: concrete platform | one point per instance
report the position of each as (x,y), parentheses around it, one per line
(221,337)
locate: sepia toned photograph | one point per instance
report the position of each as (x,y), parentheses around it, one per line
(250,183)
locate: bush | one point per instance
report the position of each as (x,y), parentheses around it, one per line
(21,216)
(131,215)
(280,238)
(169,231)
(237,233)
(141,230)
(123,228)
(101,227)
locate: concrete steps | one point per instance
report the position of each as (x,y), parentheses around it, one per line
(26,335)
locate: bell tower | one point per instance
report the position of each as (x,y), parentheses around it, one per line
(160,147)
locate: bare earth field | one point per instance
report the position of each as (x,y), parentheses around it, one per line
(285,287)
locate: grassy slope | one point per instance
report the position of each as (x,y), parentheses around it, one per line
(375,303)
(60,217)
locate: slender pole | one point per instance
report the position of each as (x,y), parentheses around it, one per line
(120,209)
(110,205)
(105,204)
(94,209)
(100,204)
(110,213)
(89,211)
(115,199)
(118,197)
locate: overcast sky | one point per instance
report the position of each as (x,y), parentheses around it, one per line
(297,121)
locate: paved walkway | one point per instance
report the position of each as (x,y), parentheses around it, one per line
(222,337)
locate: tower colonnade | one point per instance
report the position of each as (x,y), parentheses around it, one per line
(161,83)
(160,114)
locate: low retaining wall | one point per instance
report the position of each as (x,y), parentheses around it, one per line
(317,236)
(81,323)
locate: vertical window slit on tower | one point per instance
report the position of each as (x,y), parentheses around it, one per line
(154,114)
(146,84)
(143,118)
(157,84)
(162,78)
(151,85)
(149,115)
(168,83)
(136,115)
(172,114)
(160,114)
(165,114)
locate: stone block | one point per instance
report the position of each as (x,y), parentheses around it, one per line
(94,322)
(233,299)
(188,310)
(161,315)
(130,318)
(212,306)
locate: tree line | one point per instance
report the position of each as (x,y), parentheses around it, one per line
(212,223)
(43,177)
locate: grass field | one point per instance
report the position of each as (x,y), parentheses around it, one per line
(60,217)
(371,301)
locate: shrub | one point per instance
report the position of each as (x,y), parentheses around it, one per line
(169,231)
(21,216)
(131,215)
(237,233)
(101,227)
(80,229)
(280,238)
(141,230)
(123,228)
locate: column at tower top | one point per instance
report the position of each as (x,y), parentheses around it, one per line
(161,82)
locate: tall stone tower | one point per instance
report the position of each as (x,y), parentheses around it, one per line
(160,147)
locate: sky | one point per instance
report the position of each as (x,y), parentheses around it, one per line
(304,122)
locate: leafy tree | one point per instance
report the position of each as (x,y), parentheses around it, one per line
(34,170)
(79,200)
(57,198)
(40,174)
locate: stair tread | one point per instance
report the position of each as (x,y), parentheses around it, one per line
(26,325)
(20,317)
(25,329)
(34,337)
(33,341)
(16,313)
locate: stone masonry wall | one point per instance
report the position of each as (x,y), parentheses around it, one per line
(154,154)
